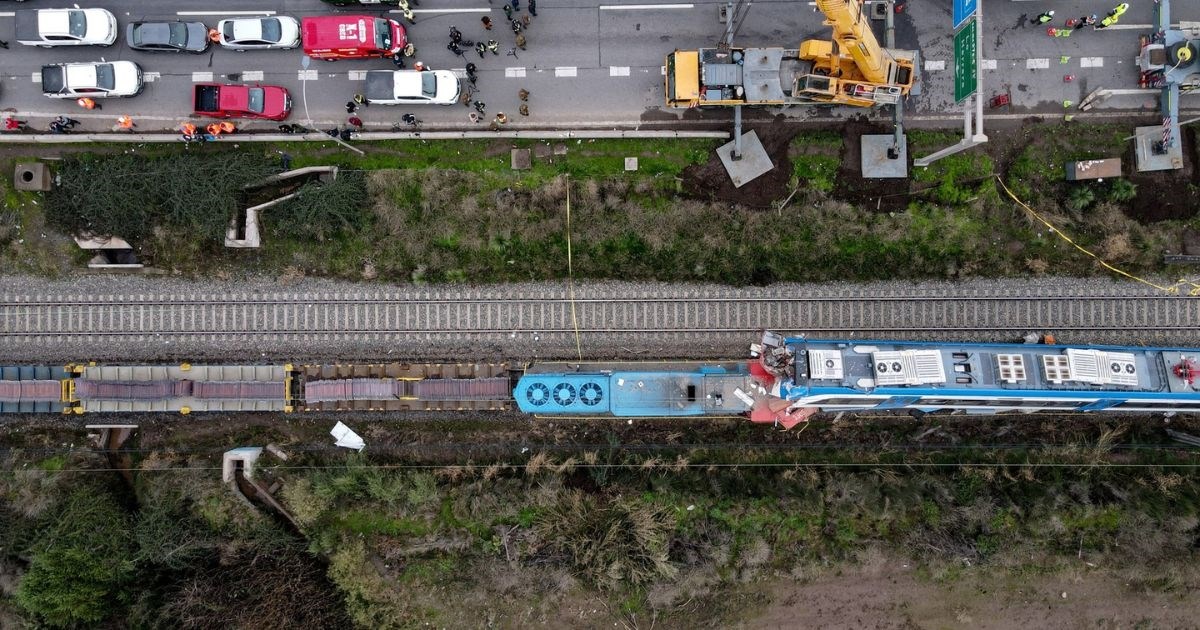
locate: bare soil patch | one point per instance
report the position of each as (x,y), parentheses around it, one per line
(890,594)
(1162,195)
(710,181)
(880,195)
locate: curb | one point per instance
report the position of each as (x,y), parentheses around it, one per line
(363,136)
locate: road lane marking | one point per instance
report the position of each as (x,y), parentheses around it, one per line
(358,75)
(565,71)
(643,7)
(935,65)
(1091,62)
(150,77)
(618,71)
(510,73)
(306,75)
(202,77)
(989,64)
(37,77)
(8,14)
(483,10)
(252,75)
(1037,64)
(224,13)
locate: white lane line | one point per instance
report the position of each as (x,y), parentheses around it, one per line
(935,65)
(1037,64)
(150,77)
(618,71)
(252,75)
(306,75)
(8,14)
(643,7)
(565,71)
(1091,62)
(358,75)
(663,70)
(224,13)
(202,77)
(989,64)
(509,73)
(485,10)
(1125,27)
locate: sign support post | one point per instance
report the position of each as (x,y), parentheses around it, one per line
(968,57)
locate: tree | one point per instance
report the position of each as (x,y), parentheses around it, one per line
(79,569)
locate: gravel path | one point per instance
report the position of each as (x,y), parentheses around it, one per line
(145,318)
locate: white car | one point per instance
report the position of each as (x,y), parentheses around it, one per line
(66,27)
(260,33)
(93,80)
(412,87)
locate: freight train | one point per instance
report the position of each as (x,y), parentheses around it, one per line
(783,382)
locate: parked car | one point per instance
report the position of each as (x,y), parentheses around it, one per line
(66,27)
(412,87)
(217,100)
(169,36)
(95,80)
(260,33)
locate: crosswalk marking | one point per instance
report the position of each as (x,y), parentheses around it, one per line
(202,77)
(514,73)
(935,65)
(618,71)
(307,75)
(565,71)
(1037,64)
(1091,62)
(252,75)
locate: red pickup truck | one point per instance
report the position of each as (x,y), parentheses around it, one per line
(217,100)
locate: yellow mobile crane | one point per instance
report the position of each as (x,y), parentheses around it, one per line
(851,69)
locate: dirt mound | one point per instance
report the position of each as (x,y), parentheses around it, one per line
(710,181)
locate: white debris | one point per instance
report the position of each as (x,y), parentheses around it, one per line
(346,437)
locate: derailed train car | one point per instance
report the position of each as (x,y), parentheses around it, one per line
(783,382)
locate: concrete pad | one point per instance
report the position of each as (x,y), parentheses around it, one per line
(560,149)
(32,176)
(541,150)
(1147,160)
(522,159)
(875,160)
(631,164)
(754,163)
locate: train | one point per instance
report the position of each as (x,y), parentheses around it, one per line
(783,381)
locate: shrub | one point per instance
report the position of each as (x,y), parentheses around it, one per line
(1080,198)
(610,543)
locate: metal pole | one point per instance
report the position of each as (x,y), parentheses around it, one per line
(737,133)
(979,135)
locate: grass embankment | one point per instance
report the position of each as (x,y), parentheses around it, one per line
(453,211)
(683,537)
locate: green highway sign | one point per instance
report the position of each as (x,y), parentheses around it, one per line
(966,72)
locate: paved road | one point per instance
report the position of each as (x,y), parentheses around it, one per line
(594,62)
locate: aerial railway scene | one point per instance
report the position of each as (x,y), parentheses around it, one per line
(396,314)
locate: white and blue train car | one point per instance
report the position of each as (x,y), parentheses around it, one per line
(636,390)
(829,375)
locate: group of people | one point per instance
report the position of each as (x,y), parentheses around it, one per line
(1112,17)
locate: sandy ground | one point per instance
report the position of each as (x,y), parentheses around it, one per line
(893,596)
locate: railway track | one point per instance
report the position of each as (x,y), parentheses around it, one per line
(480,314)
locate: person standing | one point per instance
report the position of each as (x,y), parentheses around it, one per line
(361,100)
(1081,22)
(124,123)
(521,41)
(533,8)
(487,23)
(471,76)
(523,94)
(87,103)
(355,121)
(508,12)
(523,109)
(351,107)
(516,5)
(1044,17)
(3,44)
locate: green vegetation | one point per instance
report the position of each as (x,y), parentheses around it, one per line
(442,211)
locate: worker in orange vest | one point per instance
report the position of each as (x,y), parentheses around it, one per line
(228,127)
(188,129)
(88,103)
(213,129)
(125,123)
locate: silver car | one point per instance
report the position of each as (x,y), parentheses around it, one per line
(259,33)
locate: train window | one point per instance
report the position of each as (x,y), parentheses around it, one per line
(691,391)
(848,401)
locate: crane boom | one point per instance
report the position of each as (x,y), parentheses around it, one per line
(853,34)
